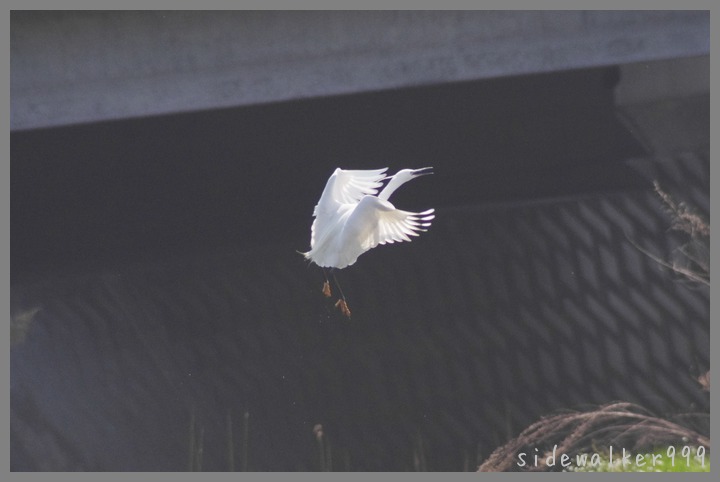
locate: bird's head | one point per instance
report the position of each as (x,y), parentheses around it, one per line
(400,178)
(404,175)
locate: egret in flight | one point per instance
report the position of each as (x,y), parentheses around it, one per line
(351,218)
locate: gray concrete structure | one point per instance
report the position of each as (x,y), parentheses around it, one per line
(79,67)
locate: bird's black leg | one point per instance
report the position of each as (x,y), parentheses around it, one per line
(341,303)
(332,272)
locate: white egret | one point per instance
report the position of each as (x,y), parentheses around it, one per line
(351,218)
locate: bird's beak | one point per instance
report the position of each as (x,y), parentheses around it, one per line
(413,172)
(422,171)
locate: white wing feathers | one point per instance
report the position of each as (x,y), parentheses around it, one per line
(384,224)
(343,190)
(350,219)
(348,187)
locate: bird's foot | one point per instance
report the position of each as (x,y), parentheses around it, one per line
(326,289)
(342,305)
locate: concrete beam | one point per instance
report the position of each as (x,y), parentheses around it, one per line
(78,67)
(654,81)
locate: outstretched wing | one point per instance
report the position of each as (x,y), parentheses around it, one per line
(344,189)
(396,225)
(348,187)
(375,221)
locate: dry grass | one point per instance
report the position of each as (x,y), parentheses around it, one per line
(619,424)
